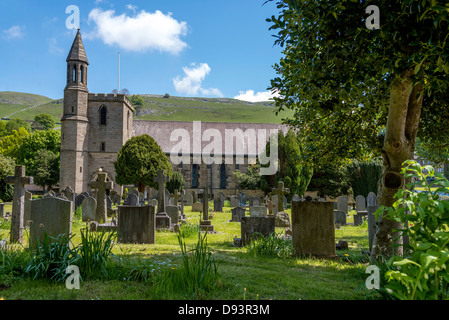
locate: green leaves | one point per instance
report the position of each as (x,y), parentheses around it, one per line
(422,274)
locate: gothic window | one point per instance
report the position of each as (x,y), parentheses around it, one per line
(74,74)
(223,176)
(103,113)
(103,147)
(195,169)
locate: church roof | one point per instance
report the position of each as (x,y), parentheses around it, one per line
(77,52)
(201,134)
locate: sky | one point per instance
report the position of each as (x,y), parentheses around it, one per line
(190,48)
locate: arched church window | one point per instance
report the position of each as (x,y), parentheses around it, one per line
(103,114)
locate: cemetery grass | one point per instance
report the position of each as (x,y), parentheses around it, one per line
(242,274)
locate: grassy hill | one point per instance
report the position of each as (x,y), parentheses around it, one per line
(156,107)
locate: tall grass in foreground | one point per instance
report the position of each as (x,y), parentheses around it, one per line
(272,246)
(197,272)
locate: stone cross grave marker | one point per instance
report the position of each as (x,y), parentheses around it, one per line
(280,191)
(101,185)
(18,205)
(162,219)
(206,224)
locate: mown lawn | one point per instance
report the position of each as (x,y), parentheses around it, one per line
(242,274)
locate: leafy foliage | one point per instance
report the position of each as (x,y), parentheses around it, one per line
(7,166)
(331,180)
(46,168)
(176,182)
(249,180)
(139,161)
(272,246)
(336,73)
(43,121)
(137,100)
(364,176)
(423,273)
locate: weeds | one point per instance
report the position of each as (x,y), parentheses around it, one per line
(272,246)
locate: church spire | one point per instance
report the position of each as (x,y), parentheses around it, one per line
(77,52)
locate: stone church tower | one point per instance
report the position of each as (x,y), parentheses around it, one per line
(93,127)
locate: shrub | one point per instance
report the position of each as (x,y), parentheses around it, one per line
(272,246)
(422,273)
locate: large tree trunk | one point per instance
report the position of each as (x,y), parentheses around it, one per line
(399,146)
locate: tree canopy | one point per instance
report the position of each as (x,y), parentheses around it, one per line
(138,162)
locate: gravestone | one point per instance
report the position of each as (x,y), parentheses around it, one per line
(89,209)
(27,210)
(116,199)
(371,225)
(141,199)
(360,204)
(108,202)
(173,213)
(189,199)
(313,229)
(49,194)
(162,219)
(340,217)
(136,224)
(234,201)
(70,195)
(205,223)
(258,211)
(270,206)
(101,185)
(342,204)
(255,202)
(282,219)
(296,197)
(194,196)
(197,207)
(182,195)
(2,209)
(51,216)
(131,200)
(241,199)
(275,199)
(280,191)
(218,203)
(371,200)
(79,199)
(358,219)
(252,225)
(18,204)
(237,214)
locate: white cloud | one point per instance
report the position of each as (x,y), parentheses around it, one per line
(192,80)
(132,8)
(15,32)
(144,31)
(54,48)
(251,96)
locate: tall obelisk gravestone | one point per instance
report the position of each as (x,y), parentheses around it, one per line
(18,205)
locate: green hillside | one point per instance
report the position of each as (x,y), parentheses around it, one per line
(156,107)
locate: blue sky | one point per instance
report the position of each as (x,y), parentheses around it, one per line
(201,48)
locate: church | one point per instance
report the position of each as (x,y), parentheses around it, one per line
(95,126)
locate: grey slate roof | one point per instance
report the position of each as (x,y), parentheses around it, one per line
(164,131)
(77,52)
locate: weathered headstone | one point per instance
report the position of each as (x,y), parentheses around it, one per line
(270,206)
(358,219)
(173,213)
(189,199)
(197,207)
(218,203)
(241,199)
(371,200)
(131,200)
(252,225)
(136,224)
(108,202)
(237,214)
(51,216)
(79,199)
(255,202)
(101,185)
(340,217)
(2,209)
(360,204)
(280,191)
(258,211)
(89,209)
(342,204)
(234,202)
(282,219)
(27,211)
(18,204)
(313,228)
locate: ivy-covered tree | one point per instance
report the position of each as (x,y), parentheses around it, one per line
(346,82)
(139,161)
